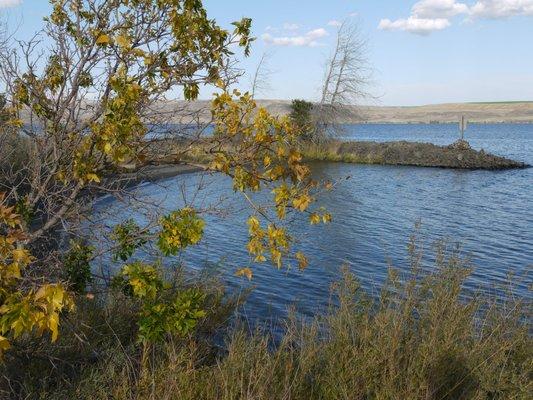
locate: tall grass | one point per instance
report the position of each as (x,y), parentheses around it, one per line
(331,151)
(420,339)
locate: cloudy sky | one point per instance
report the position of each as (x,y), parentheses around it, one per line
(427,51)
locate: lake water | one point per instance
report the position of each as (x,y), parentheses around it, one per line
(374,213)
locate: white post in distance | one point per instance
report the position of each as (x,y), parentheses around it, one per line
(462,126)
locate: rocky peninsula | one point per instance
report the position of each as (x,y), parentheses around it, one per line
(458,155)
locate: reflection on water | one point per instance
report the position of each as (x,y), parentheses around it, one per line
(374,212)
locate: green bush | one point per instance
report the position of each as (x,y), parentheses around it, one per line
(77,268)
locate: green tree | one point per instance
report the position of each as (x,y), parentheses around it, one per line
(301,115)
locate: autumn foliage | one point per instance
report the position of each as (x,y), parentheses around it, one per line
(126,56)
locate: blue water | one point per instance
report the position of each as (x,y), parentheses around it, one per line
(375,211)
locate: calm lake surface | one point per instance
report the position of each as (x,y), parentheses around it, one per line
(374,213)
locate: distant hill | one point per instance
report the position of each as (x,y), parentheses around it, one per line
(443,113)
(496,112)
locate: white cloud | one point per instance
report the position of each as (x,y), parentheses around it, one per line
(9,3)
(291,26)
(426,17)
(317,33)
(436,9)
(419,26)
(334,22)
(308,40)
(434,15)
(501,8)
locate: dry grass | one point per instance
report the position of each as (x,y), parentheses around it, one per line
(420,340)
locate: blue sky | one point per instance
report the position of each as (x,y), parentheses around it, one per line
(422,52)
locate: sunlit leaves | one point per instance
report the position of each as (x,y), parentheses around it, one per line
(121,128)
(38,311)
(143,280)
(55,76)
(51,300)
(263,155)
(190,50)
(302,202)
(271,240)
(316,217)
(242,28)
(24,310)
(179,230)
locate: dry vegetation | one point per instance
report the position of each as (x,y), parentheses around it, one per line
(408,153)
(420,340)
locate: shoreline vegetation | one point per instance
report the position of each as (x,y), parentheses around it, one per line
(418,338)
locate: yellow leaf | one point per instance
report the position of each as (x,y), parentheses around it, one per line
(53,324)
(253,223)
(302,260)
(21,256)
(123,41)
(301,203)
(107,147)
(4,345)
(92,178)
(103,39)
(42,292)
(247,272)
(260,258)
(138,52)
(314,219)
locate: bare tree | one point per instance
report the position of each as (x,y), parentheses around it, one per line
(261,78)
(346,80)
